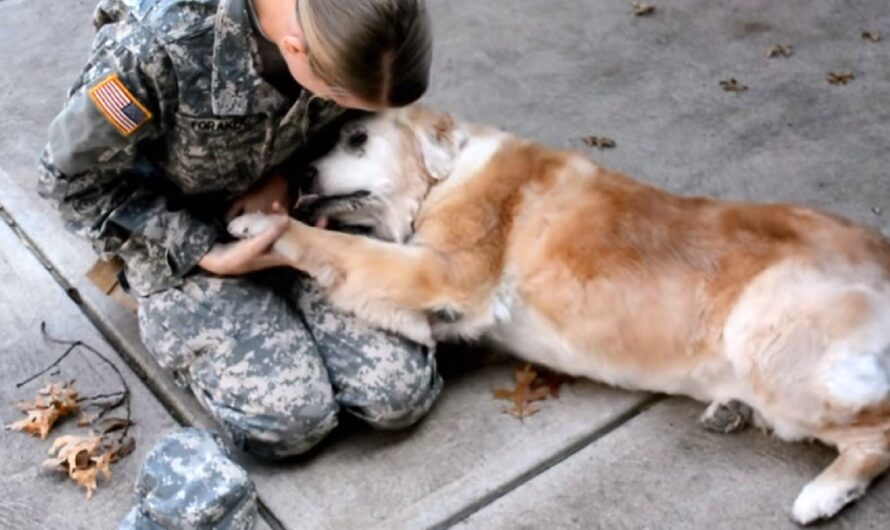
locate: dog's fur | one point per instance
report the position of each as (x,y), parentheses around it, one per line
(589,272)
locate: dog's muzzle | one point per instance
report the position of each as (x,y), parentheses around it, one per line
(318,210)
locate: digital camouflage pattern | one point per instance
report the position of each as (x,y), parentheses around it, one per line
(385,379)
(188,482)
(276,376)
(217,127)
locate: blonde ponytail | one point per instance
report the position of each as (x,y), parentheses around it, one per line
(379,51)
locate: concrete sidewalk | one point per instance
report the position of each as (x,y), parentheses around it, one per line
(555,71)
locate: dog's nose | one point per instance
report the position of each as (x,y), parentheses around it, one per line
(307,179)
(310,175)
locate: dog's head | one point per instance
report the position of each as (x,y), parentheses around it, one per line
(382,168)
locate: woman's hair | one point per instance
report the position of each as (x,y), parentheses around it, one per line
(376,50)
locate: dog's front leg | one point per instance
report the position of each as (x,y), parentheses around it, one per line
(389,285)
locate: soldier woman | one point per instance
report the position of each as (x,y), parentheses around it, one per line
(188,110)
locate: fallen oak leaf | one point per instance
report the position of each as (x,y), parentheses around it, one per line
(86,478)
(78,456)
(71,452)
(872,36)
(504,394)
(82,458)
(523,395)
(523,408)
(642,10)
(103,462)
(62,397)
(52,403)
(732,85)
(600,142)
(38,423)
(840,78)
(780,50)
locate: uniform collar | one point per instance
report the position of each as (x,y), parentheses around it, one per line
(237,89)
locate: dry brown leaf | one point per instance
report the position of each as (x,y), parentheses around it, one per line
(72,451)
(86,478)
(64,397)
(642,10)
(103,462)
(840,78)
(872,36)
(52,403)
(732,85)
(38,423)
(523,395)
(600,142)
(82,458)
(503,393)
(780,50)
(531,386)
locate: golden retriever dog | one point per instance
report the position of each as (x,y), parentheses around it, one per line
(777,309)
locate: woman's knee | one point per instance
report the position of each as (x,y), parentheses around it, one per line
(275,435)
(403,411)
(244,353)
(408,396)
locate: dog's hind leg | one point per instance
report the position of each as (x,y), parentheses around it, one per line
(844,481)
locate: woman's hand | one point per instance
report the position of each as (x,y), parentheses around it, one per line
(247,255)
(273,189)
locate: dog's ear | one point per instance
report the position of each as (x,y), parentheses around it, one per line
(437,138)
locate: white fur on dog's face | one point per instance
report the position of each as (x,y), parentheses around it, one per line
(383,166)
(366,158)
(369,157)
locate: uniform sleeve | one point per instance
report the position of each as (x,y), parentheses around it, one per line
(89,167)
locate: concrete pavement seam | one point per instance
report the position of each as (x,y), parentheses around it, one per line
(549,463)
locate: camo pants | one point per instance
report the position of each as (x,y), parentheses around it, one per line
(274,362)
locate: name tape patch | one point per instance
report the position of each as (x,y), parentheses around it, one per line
(119,106)
(223,124)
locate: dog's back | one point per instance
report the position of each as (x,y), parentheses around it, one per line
(782,307)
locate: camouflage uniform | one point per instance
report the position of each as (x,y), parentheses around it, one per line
(188,482)
(172,118)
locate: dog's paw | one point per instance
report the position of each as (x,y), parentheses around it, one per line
(725,418)
(821,500)
(252,224)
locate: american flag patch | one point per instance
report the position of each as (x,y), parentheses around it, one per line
(119,106)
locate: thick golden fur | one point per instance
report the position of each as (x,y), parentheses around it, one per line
(593,273)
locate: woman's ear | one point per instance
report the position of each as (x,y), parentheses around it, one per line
(293,45)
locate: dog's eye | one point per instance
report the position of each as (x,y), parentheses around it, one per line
(358,139)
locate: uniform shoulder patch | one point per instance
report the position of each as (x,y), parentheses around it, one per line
(119,106)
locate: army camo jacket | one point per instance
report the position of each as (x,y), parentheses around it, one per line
(169,110)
